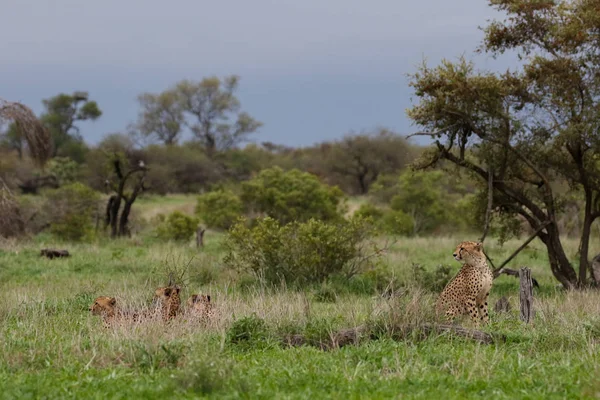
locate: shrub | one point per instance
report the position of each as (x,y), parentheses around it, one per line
(397,222)
(177,226)
(248,332)
(300,252)
(432,281)
(291,196)
(219,209)
(394,222)
(64,169)
(71,211)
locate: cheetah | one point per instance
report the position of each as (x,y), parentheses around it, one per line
(106,307)
(169,301)
(468,292)
(199,305)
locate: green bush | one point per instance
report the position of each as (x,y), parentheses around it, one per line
(300,253)
(248,332)
(64,169)
(394,222)
(433,281)
(71,211)
(219,209)
(177,226)
(291,196)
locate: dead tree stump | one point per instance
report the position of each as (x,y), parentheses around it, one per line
(526,295)
(200,237)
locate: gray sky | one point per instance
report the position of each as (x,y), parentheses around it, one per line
(310,70)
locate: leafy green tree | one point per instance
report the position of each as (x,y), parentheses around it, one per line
(363,158)
(63,112)
(291,196)
(218,122)
(522,130)
(161,116)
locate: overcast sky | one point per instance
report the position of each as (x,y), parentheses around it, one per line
(310,70)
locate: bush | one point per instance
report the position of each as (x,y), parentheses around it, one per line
(432,281)
(219,209)
(394,222)
(71,211)
(397,222)
(64,169)
(299,253)
(291,196)
(248,332)
(177,226)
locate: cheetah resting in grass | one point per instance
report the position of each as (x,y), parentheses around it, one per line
(169,301)
(468,292)
(106,307)
(199,305)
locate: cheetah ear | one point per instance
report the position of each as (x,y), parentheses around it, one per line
(478,245)
(194,298)
(167,292)
(112,301)
(208,297)
(177,289)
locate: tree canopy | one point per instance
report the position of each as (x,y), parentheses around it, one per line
(526,128)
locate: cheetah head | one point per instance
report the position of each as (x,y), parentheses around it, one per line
(103,305)
(199,301)
(468,252)
(166,293)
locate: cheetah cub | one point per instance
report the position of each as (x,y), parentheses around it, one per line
(199,305)
(106,307)
(468,292)
(167,298)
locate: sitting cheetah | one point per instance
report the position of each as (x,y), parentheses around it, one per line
(107,308)
(467,293)
(199,305)
(168,300)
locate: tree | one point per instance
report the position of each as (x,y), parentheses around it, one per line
(161,116)
(523,130)
(119,223)
(62,113)
(362,158)
(213,105)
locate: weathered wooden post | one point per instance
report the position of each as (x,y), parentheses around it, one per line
(526,294)
(200,237)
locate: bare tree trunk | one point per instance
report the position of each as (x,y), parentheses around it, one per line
(559,263)
(526,295)
(119,225)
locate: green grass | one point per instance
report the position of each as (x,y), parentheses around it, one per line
(51,347)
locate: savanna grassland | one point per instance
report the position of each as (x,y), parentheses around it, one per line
(51,347)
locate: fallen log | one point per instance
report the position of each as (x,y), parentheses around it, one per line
(353,336)
(52,253)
